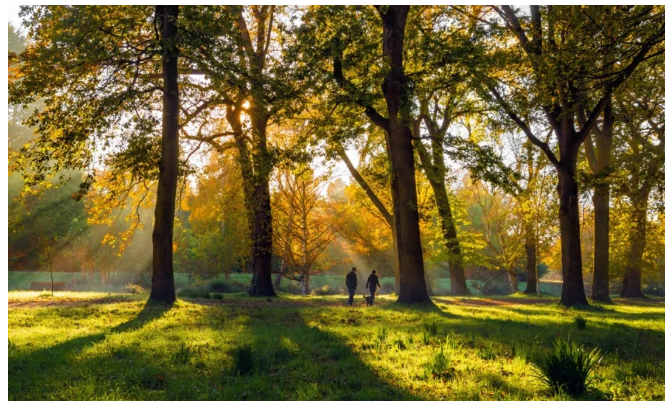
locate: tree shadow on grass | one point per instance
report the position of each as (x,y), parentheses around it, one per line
(35,374)
(294,358)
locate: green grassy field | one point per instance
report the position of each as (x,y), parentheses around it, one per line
(114,346)
(20,280)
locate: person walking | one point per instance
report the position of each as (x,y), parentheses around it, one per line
(351,283)
(372,284)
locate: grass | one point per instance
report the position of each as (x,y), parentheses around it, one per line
(566,367)
(96,346)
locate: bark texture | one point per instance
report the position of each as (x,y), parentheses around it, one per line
(599,160)
(404,189)
(162,280)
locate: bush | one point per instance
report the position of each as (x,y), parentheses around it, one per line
(134,289)
(566,367)
(439,367)
(217,296)
(220,286)
(580,322)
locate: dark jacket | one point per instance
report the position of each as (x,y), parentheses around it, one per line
(373,281)
(350,280)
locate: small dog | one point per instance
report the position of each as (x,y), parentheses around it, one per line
(369,300)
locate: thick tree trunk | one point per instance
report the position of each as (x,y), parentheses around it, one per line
(573,289)
(395,265)
(530,268)
(163,285)
(262,242)
(457,276)
(599,161)
(404,189)
(600,281)
(631,286)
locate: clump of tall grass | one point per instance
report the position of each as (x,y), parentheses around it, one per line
(439,367)
(243,360)
(566,367)
(580,322)
(431,328)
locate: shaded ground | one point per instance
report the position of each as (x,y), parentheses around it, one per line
(118,347)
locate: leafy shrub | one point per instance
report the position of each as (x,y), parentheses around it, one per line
(134,289)
(217,296)
(439,367)
(580,322)
(243,360)
(566,367)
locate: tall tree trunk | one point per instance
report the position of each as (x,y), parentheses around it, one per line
(631,286)
(573,289)
(162,281)
(457,276)
(262,243)
(404,188)
(599,161)
(395,265)
(600,280)
(530,268)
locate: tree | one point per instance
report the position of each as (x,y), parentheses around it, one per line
(642,111)
(493,214)
(433,163)
(163,282)
(304,225)
(247,57)
(566,71)
(334,34)
(98,92)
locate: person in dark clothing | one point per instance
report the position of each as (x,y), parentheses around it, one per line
(351,283)
(372,284)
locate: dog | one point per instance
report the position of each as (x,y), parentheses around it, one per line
(369,300)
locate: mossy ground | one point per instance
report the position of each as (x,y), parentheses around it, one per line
(95,346)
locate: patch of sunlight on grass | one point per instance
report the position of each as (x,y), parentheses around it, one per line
(93,346)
